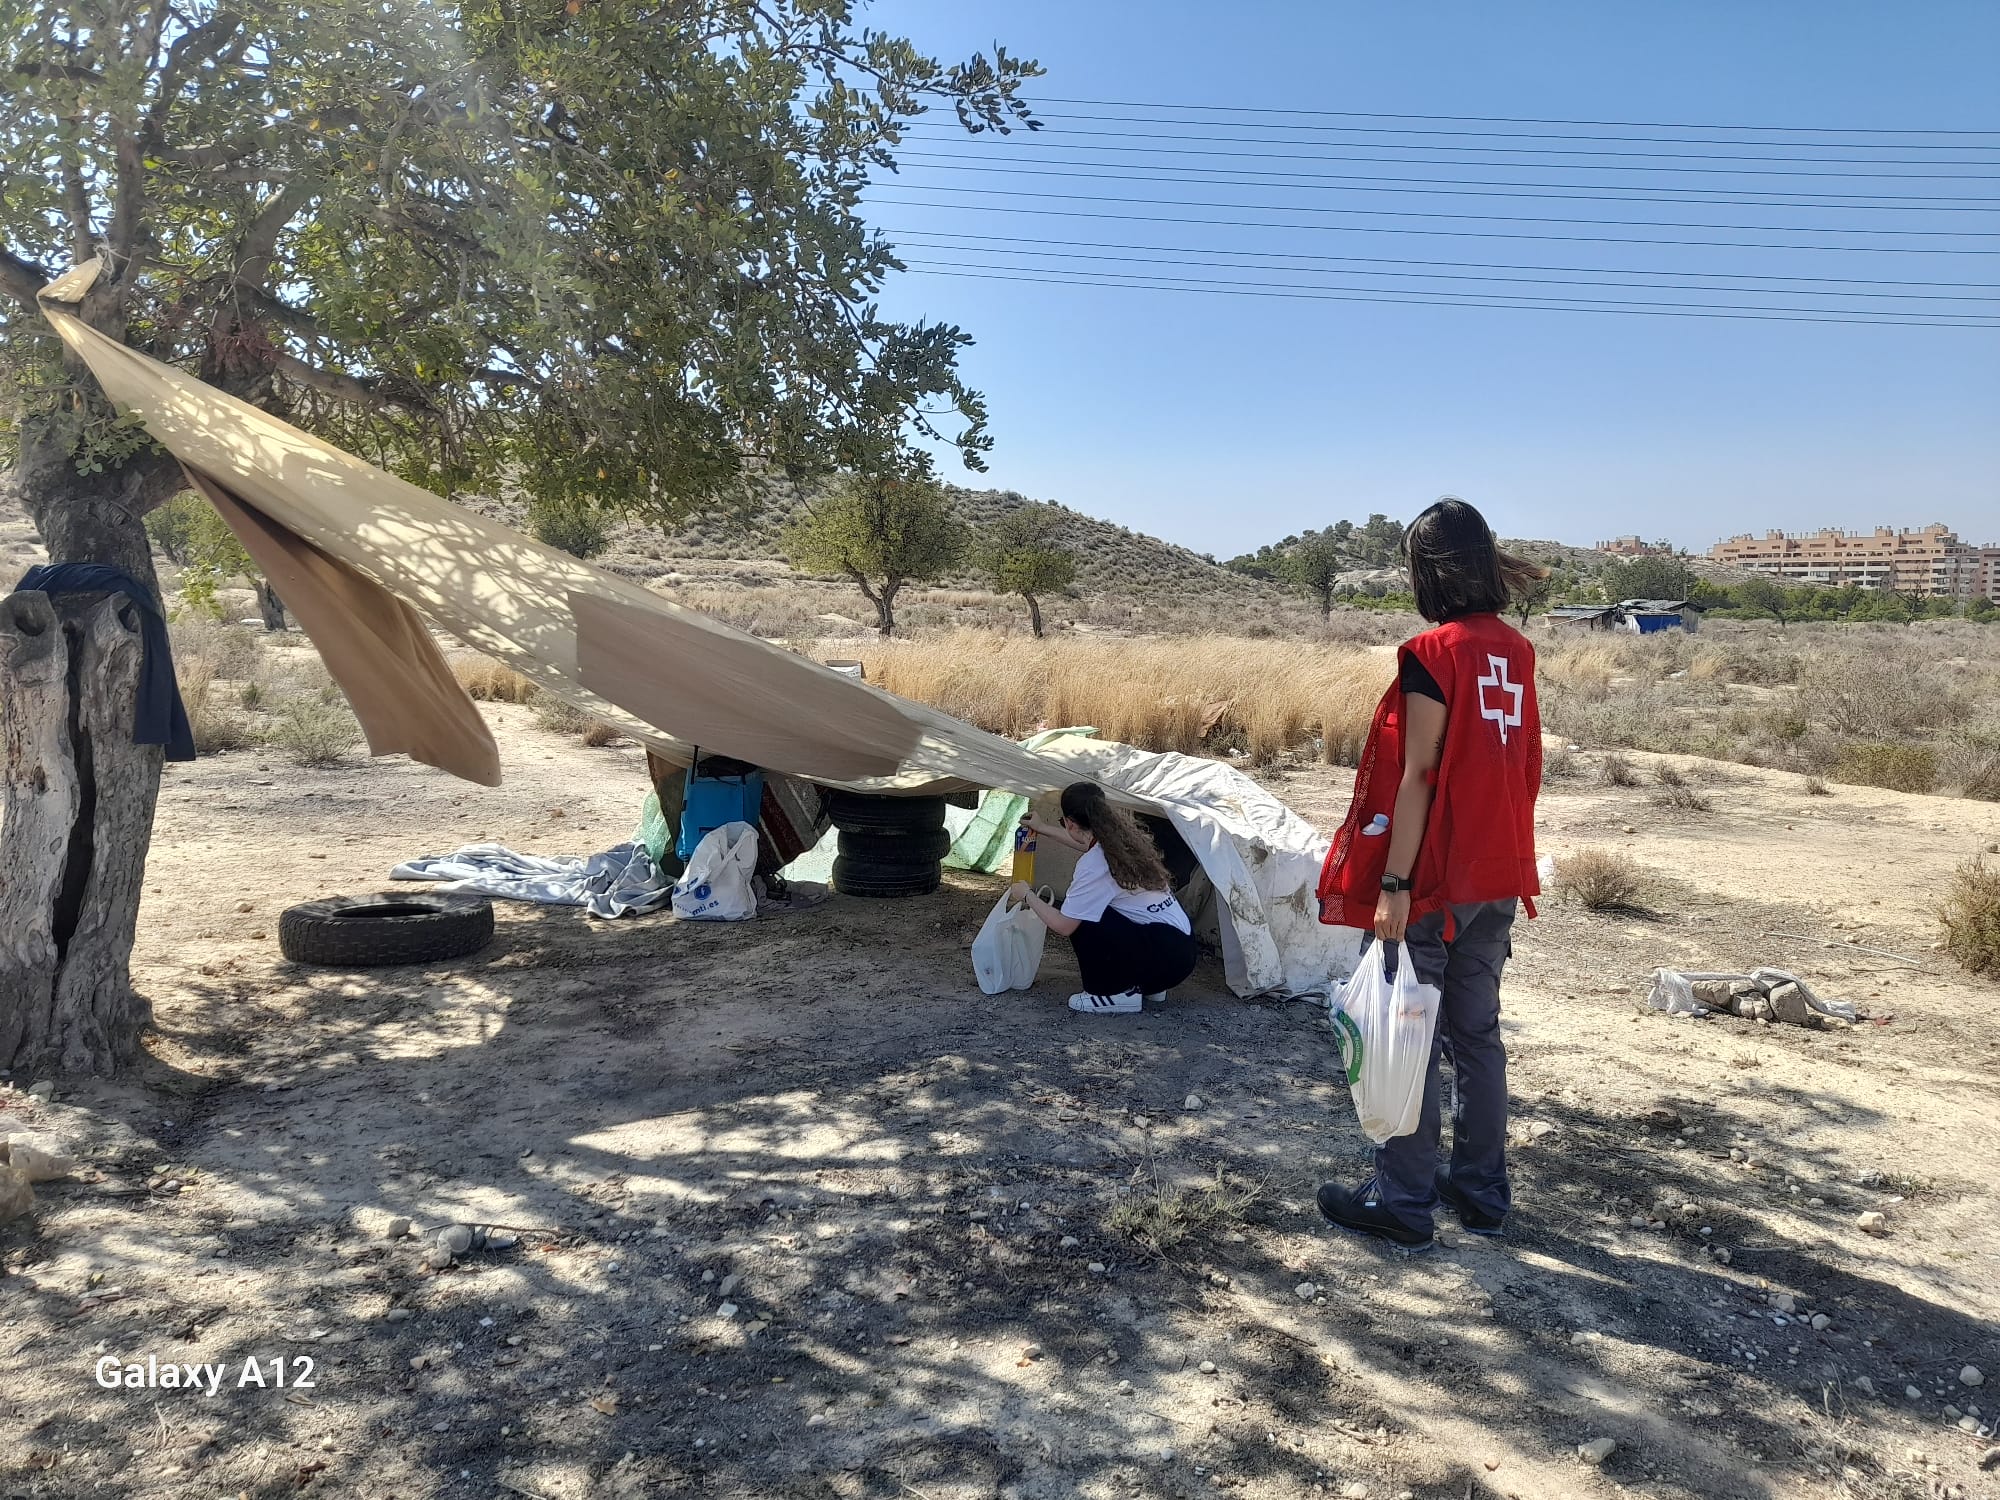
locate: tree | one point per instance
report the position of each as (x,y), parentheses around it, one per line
(1024,553)
(1653,577)
(609,251)
(882,531)
(1379,540)
(1764,595)
(1314,566)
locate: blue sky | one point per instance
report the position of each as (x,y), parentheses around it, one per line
(1225,421)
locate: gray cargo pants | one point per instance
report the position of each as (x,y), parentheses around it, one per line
(1467,970)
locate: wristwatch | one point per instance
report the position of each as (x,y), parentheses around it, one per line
(1396,884)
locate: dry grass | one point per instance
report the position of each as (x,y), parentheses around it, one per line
(488,681)
(1900,768)
(597,733)
(1616,770)
(1207,693)
(1599,879)
(1970,913)
(1162,1221)
(557,716)
(316,732)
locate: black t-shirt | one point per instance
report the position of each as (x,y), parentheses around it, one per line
(1415,677)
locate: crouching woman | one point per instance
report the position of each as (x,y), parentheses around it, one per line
(1133,941)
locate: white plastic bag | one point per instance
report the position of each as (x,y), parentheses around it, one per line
(1384,1026)
(715,886)
(1007,954)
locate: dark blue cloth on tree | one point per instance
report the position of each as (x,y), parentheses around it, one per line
(162,717)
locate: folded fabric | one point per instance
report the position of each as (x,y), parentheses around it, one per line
(161,717)
(623,881)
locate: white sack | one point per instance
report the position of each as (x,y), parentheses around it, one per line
(715,886)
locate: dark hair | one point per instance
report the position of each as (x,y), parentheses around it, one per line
(1458,569)
(1129,851)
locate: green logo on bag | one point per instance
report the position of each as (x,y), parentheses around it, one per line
(1348,1035)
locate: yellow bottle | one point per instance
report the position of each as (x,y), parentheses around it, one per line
(1024,853)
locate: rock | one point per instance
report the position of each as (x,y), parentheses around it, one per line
(1193,1101)
(1873,1222)
(1715,994)
(1139,1122)
(1737,1153)
(1990,1459)
(455,1239)
(1968,1424)
(729,1284)
(1068,1242)
(1124,1387)
(16,1196)
(397,1315)
(1971,1375)
(1305,1291)
(41,1088)
(1720,1254)
(1096,1268)
(1912,1393)
(1207,1367)
(1789,1004)
(1354,1490)
(1820,1322)
(1539,1128)
(33,1162)
(1216,1278)
(1952,1414)
(438,1258)
(398,1227)
(1596,1451)
(1784,1302)
(1864,1385)
(1032,1351)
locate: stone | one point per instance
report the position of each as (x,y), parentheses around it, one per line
(1193,1101)
(729,1284)
(1971,1375)
(1216,1278)
(1597,1451)
(1305,1291)
(1990,1459)
(33,1162)
(455,1239)
(1873,1222)
(1124,1387)
(41,1088)
(1068,1242)
(438,1258)
(398,1315)
(500,1239)
(1821,1322)
(16,1196)
(1096,1268)
(1354,1490)
(1032,1351)
(1140,1122)
(1788,1004)
(1968,1424)
(1912,1393)
(1207,1367)
(727,1310)
(1539,1128)
(1784,1302)
(1864,1385)
(398,1227)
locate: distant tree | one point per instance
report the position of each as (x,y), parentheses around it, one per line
(1765,596)
(1343,532)
(190,533)
(1024,554)
(1379,540)
(882,531)
(1653,578)
(569,525)
(1314,567)
(1538,595)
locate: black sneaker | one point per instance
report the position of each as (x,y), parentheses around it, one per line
(1472,1220)
(1349,1210)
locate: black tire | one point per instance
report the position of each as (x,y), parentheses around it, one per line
(925,848)
(865,812)
(890,881)
(366,932)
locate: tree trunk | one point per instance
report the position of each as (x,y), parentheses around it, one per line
(1034,614)
(78,798)
(885,611)
(269,605)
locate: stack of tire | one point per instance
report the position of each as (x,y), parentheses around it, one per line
(889,846)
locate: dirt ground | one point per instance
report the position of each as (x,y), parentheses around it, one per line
(802,1214)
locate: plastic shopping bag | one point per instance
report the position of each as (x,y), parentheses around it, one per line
(715,886)
(1384,1024)
(1007,954)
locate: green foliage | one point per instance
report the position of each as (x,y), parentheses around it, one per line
(1652,577)
(1314,567)
(1024,553)
(192,533)
(1765,596)
(882,531)
(612,249)
(576,527)
(1900,768)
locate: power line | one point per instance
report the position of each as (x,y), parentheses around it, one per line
(1447,300)
(1040,141)
(1394,213)
(939,161)
(1253,264)
(1349,114)
(897,235)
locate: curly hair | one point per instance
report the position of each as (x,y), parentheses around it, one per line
(1129,851)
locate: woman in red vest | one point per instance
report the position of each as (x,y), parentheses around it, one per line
(1437,854)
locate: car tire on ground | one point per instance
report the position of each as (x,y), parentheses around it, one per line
(878,848)
(866,812)
(366,932)
(873,880)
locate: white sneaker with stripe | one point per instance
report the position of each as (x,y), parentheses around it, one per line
(1129,1003)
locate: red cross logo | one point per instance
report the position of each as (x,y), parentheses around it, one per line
(1499,710)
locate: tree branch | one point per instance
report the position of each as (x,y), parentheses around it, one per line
(22,279)
(260,240)
(342,387)
(188,51)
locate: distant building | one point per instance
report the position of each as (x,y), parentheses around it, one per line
(1930,561)
(1583,616)
(1631,546)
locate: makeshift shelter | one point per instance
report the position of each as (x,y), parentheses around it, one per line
(367,561)
(1651,616)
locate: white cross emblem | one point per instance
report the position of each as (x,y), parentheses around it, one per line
(1499,712)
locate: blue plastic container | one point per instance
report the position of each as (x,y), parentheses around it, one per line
(713,801)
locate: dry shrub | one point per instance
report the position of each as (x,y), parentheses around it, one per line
(558,716)
(1877,695)
(598,733)
(1679,797)
(1668,774)
(216,726)
(1816,787)
(1588,665)
(1969,766)
(316,732)
(1599,879)
(1899,768)
(1268,697)
(1163,1220)
(1616,770)
(488,681)
(232,652)
(1970,913)
(1560,764)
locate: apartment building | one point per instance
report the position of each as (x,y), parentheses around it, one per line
(1931,560)
(1632,546)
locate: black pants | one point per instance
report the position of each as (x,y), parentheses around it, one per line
(1116,954)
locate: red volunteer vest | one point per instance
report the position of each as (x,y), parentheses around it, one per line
(1479,844)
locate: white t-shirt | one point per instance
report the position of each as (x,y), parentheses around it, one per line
(1092,891)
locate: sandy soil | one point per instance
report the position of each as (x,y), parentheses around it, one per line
(803,1215)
